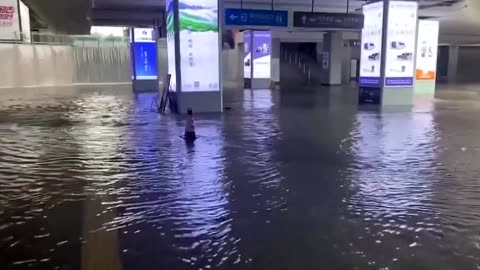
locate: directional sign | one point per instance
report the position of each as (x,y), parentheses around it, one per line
(328,20)
(256,17)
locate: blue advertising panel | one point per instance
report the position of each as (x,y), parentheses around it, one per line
(146,61)
(256,17)
(144,51)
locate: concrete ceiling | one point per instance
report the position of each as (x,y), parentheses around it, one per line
(460,20)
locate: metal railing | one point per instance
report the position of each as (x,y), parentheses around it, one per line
(70,40)
(293,58)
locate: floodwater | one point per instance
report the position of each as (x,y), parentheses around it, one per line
(284,180)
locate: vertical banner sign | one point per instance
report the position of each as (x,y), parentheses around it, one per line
(261,54)
(427,48)
(9,21)
(371,51)
(170,9)
(199,45)
(145,50)
(247,55)
(400,49)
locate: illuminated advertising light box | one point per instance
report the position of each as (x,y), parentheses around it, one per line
(261,54)
(427,48)
(371,50)
(170,9)
(199,45)
(247,55)
(9,20)
(400,48)
(145,54)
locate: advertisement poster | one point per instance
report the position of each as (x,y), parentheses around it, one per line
(427,49)
(261,54)
(371,50)
(145,52)
(247,55)
(400,50)
(171,43)
(146,61)
(9,22)
(199,45)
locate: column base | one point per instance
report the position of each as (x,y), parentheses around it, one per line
(145,86)
(200,102)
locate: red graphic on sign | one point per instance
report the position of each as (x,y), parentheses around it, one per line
(6,15)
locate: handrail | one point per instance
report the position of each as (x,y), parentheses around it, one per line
(297,61)
(71,40)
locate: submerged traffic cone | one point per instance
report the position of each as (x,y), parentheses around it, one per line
(189,127)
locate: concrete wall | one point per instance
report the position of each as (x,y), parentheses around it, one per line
(25,65)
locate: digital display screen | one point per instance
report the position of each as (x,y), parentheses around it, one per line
(146,61)
(170,6)
(144,53)
(261,54)
(199,45)
(427,49)
(371,50)
(400,49)
(247,55)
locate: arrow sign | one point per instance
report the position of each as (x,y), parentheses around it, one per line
(256,17)
(304,19)
(328,20)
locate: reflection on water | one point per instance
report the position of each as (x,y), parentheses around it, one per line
(95,180)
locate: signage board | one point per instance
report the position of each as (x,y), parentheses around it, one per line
(256,17)
(143,35)
(261,54)
(400,49)
(427,49)
(199,45)
(144,51)
(170,22)
(9,20)
(328,20)
(247,55)
(371,47)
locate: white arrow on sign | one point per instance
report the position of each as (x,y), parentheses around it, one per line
(304,19)
(233,17)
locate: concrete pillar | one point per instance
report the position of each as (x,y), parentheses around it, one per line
(452,63)
(331,58)
(275,61)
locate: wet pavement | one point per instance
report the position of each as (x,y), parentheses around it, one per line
(93,179)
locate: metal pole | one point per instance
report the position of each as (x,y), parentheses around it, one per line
(313,4)
(241,4)
(272,4)
(348,6)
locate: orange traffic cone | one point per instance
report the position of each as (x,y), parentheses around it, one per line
(190,127)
